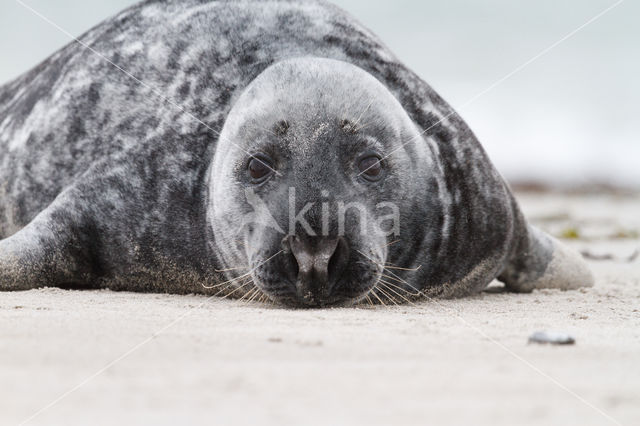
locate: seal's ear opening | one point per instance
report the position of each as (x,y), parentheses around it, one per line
(541,261)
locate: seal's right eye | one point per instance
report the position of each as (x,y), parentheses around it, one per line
(371,168)
(259,169)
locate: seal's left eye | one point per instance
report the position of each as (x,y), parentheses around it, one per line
(370,168)
(259,169)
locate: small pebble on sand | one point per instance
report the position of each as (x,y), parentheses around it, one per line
(552,337)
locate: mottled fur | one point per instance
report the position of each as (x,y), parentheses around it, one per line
(104,184)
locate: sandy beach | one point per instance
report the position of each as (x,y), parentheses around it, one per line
(102,357)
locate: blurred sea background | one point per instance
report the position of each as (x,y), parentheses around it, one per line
(568,119)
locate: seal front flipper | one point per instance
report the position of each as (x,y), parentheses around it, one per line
(540,261)
(49,251)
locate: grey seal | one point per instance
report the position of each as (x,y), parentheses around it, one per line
(272,149)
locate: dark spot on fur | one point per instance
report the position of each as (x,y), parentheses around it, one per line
(184,90)
(426,120)
(151,123)
(173,63)
(286,19)
(281,127)
(116,58)
(106,119)
(248,53)
(76,130)
(348,126)
(93,94)
(332,40)
(224,96)
(443,134)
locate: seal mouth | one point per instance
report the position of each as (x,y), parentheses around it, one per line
(291,300)
(287,294)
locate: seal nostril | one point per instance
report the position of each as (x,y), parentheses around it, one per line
(291,266)
(290,261)
(338,261)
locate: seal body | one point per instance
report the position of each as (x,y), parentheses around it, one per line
(123,161)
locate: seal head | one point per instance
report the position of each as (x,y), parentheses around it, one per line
(302,193)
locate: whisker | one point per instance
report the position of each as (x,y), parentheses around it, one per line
(389,267)
(240,277)
(368,299)
(362,113)
(373,291)
(395,277)
(392,243)
(242,286)
(396,293)
(257,293)
(401,280)
(392,278)
(400,288)
(347,110)
(392,299)
(231,269)
(238,280)
(418,291)
(364,126)
(244,275)
(249,292)
(402,269)
(222,290)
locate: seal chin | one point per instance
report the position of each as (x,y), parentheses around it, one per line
(289,296)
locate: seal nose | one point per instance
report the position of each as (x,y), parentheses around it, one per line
(320,262)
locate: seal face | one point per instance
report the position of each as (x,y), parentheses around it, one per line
(309,172)
(263,149)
